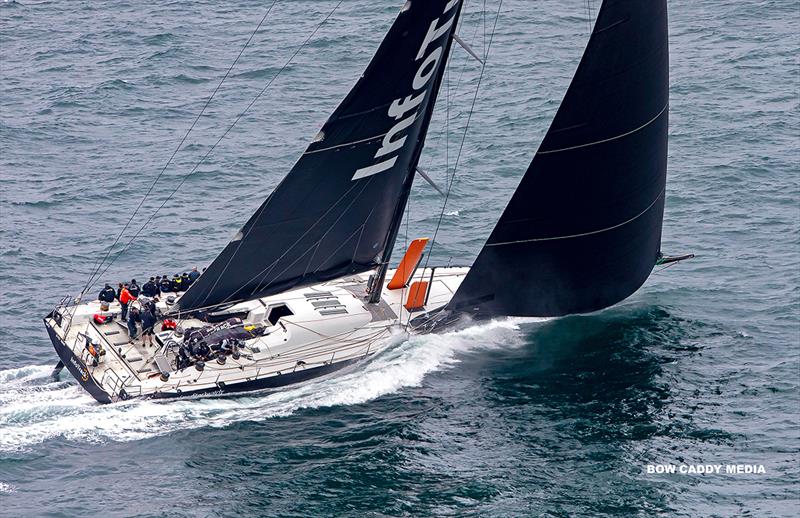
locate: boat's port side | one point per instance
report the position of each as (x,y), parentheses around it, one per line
(261,383)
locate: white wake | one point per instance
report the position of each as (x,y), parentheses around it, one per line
(34,408)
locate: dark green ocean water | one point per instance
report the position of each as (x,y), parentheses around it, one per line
(512,418)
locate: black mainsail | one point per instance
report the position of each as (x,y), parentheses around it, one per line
(338,209)
(583,229)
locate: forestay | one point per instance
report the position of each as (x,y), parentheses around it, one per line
(337,211)
(583,230)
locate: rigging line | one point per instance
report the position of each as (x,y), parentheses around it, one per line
(484,27)
(323,342)
(360,235)
(466,58)
(266,204)
(447,120)
(665,267)
(238,118)
(464,135)
(360,141)
(359,231)
(588,16)
(341,337)
(446,154)
(266,271)
(455,93)
(99,265)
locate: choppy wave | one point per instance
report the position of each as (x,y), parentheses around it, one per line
(34,408)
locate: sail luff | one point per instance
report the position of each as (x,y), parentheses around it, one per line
(336,211)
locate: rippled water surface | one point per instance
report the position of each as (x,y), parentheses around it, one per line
(519,417)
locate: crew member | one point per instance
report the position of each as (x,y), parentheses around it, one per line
(134,316)
(148,322)
(107,294)
(193,275)
(125,298)
(165,285)
(185,281)
(119,290)
(134,288)
(177,284)
(149,289)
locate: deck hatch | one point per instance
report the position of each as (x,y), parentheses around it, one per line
(318,295)
(325,303)
(333,311)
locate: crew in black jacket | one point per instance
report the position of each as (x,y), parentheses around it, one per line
(165,286)
(134,288)
(107,294)
(149,289)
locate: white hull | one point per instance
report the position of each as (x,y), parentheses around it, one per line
(331,325)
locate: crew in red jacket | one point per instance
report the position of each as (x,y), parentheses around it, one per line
(125,298)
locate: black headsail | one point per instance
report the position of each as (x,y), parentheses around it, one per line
(336,211)
(583,230)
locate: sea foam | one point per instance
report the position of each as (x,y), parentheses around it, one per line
(34,408)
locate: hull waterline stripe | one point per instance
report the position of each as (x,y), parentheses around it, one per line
(585,233)
(607,139)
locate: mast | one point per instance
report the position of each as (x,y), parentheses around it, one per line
(397,219)
(380,273)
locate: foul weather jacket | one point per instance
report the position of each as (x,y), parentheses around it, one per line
(107,295)
(150,289)
(125,297)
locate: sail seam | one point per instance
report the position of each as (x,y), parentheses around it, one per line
(585,233)
(345,144)
(354,142)
(608,139)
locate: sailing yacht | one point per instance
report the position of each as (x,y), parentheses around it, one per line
(304,289)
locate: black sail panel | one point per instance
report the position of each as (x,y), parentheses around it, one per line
(583,229)
(332,214)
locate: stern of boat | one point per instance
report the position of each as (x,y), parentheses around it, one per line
(72,361)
